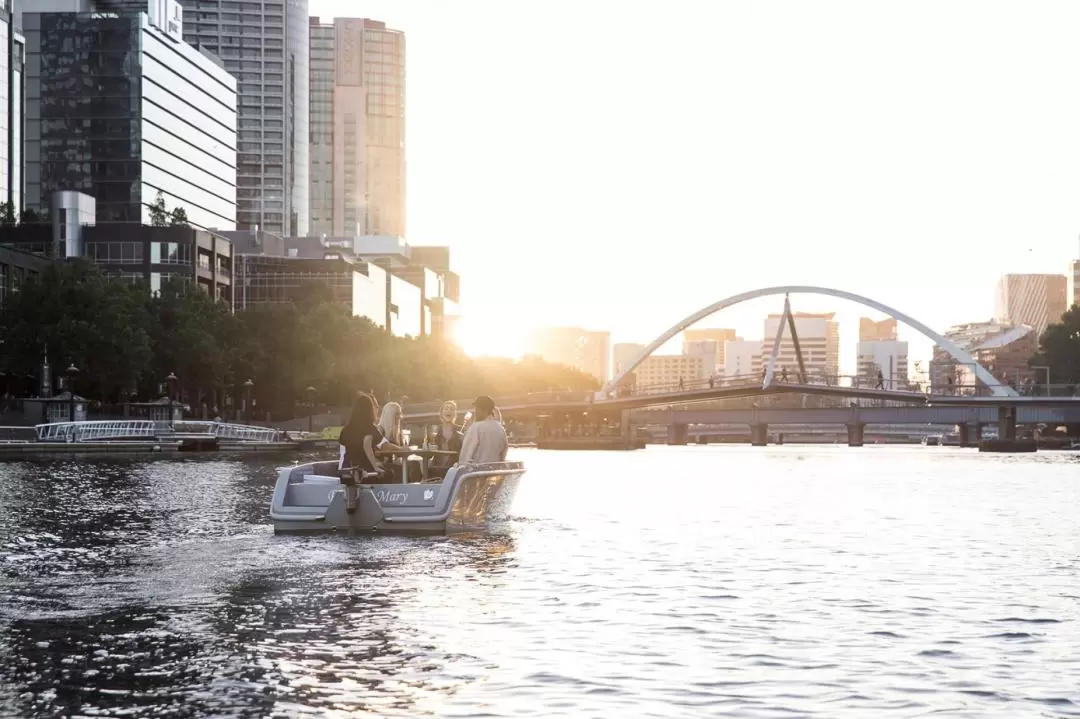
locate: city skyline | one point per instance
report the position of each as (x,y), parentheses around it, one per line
(876,338)
(833,200)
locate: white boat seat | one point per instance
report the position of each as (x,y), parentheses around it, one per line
(321,479)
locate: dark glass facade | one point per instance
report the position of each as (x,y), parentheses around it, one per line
(359,286)
(130,251)
(154,254)
(117,110)
(15,267)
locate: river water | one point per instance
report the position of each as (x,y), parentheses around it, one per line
(672,582)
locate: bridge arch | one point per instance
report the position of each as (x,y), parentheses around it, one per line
(954,350)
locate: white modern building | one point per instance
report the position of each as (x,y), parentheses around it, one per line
(623,355)
(704,334)
(889,357)
(583,349)
(742,358)
(710,352)
(819,341)
(664,373)
(12,57)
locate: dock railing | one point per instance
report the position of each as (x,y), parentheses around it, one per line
(96,431)
(133,429)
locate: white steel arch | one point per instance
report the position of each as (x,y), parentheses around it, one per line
(954,350)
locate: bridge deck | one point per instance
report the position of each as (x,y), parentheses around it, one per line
(518,408)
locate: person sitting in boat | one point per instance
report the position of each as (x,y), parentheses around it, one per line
(448,439)
(390,422)
(361,437)
(390,426)
(485,441)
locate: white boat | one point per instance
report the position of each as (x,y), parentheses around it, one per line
(318,497)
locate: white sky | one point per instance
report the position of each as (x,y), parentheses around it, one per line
(618,170)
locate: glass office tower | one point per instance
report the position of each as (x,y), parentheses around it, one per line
(265,46)
(120,108)
(357,128)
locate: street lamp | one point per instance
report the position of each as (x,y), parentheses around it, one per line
(72,372)
(170,383)
(248,384)
(311,406)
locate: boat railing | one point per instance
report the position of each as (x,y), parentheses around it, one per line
(91,431)
(493,467)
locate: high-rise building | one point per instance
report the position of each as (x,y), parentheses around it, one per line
(357,128)
(819,341)
(120,108)
(708,334)
(709,351)
(265,46)
(668,373)
(742,359)
(872,331)
(1073,290)
(1032,300)
(880,352)
(1004,350)
(12,55)
(887,357)
(623,355)
(586,350)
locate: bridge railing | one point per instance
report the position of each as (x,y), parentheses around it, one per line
(756,380)
(95,431)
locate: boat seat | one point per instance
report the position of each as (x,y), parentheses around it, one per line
(321,479)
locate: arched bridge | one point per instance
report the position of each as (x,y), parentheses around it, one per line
(955,351)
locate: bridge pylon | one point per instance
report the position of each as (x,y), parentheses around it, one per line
(788,320)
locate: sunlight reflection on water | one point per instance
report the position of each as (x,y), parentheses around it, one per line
(681,582)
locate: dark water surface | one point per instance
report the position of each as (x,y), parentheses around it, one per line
(682,582)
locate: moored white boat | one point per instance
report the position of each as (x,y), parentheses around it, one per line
(318,497)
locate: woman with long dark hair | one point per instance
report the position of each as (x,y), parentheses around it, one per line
(361,436)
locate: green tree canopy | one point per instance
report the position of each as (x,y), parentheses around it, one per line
(101,326)
(159,215)
(178,216)
(7,213)
(123,339)
(1059,349)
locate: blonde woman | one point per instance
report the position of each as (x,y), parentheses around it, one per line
(390,427)
(390,422)
(448,439)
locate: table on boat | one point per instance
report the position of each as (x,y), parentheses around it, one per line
(425,455)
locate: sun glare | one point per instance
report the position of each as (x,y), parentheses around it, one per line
(483,337)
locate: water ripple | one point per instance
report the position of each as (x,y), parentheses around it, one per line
(890,582)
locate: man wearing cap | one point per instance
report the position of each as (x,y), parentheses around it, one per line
(485,441)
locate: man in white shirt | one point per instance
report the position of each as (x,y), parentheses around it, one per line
(485,441)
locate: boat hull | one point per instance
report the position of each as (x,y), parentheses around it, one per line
(311,498)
